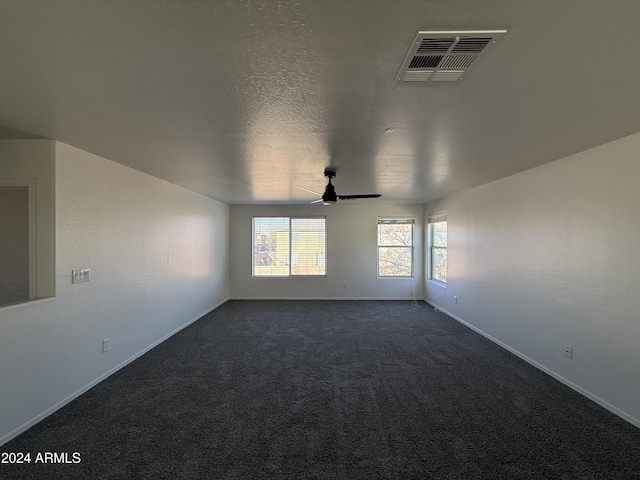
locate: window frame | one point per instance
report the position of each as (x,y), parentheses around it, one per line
(289,261)
(432,219)
(411,248)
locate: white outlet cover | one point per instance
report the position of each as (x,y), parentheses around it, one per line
(80,276)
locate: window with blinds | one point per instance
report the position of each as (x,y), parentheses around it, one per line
(437,232)
(395,247)
(289,246)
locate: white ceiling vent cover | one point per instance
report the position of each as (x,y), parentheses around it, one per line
(445,57)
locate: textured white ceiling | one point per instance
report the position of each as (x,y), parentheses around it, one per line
(244,100)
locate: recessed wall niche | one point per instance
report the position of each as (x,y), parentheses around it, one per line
(27,223)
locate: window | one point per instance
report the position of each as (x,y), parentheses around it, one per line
(438,247)
(395,247)
(289,246)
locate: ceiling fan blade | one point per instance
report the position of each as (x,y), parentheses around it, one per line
(317,201)
(307,190)
(352,197)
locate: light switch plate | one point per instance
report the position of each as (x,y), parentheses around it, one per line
(79,276)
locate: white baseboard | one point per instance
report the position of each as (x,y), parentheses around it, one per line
(327,298)
(603,403)
(25,426)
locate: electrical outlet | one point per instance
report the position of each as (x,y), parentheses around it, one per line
(346,284)
(455,299)
(568,351)
(106,345)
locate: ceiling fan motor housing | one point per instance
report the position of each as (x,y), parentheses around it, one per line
(329,197)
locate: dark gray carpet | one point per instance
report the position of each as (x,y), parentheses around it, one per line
(330,390)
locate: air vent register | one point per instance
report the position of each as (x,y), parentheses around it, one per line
(445,57)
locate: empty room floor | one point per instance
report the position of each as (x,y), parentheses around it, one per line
(329,390)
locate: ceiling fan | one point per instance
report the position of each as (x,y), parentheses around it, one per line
(330,197)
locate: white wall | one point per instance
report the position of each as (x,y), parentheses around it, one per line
(158,259)
(351,253)
(551,256)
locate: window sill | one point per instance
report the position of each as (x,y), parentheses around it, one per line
(10,306)
(437,283)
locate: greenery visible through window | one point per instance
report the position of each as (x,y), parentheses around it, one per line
(289,246)
(438,247)
(395,247)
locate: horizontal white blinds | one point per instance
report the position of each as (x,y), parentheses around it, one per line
(396,221)
(395,247)
(437,217)
(308,246)
(289,246)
